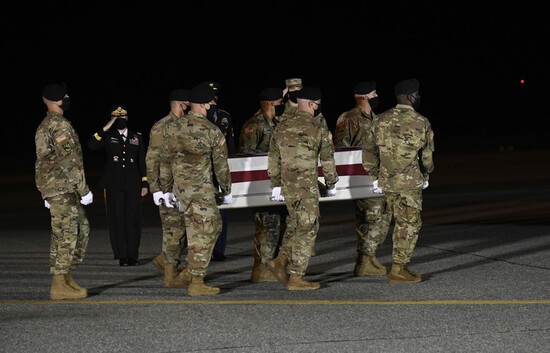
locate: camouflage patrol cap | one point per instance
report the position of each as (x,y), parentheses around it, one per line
(294,83)
(119,110)
(408,86)
(311,93)
(54,92)
(271,94)
(364,87)
(202,93)
(180,95)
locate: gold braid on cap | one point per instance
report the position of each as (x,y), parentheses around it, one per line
(119,112)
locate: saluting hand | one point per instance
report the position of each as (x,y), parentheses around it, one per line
(110,123)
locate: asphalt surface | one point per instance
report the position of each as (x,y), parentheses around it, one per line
(483,252)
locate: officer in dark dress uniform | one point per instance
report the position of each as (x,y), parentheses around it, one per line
(125,183)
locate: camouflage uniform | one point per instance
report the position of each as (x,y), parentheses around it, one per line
(59,176)
(270,222)
(372,221)
(194,152)
(296,146)
(405,142)
(173,224)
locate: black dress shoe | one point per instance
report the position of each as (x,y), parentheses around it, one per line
(123,262)
(219,257)
(133,262)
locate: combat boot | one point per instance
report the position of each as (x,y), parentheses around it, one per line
(61,290)
(72,283)
(400,273)
(277,266)
(197,288)
(172,279)
(158,262)
(367,265)
(260,273)
(298,283)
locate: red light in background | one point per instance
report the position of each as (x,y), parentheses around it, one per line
(522,81)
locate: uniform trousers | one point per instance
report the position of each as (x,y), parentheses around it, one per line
(124,215)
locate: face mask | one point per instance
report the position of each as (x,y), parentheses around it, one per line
(279,109)
(292,96)
(66,104)
(121,123)
(186,109)
(373,102)
(416,103)
(211,114)
(318,110)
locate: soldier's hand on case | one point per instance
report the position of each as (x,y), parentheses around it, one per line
(227,199)
(425,185)
(375,188)
(46,204)
(276,194)
(331,192)
(157,197)
(169,199)
(87,199)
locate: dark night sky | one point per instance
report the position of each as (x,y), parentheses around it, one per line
(469,62)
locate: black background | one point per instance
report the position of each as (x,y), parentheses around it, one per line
(469,62)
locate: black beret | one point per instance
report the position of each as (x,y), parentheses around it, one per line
(216,86)
(311,93)
(119,110)
(54,92)
(202,93)
(180,94)
(407,86)
(271,94)
(364,87)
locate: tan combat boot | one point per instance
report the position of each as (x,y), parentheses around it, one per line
(260,273)
(277,266)
(367,265)
(72,283)
(61,290)
(400,273)
(197,288)
(172,279)
(298,283)
(158,262)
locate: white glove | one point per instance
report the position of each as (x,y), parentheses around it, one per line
(276,194)
(88,199)
(375,188)
(425,185)
(157,197)
(331,192)
(227,199)
(46,204)
(169,199)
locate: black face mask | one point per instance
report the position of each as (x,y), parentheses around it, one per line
(318,110)
(416,103)
(121,123)
(292,96)
(212,113)
(373,102)
(279,109)
(65,104)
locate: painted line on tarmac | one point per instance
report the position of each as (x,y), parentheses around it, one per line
(277,302)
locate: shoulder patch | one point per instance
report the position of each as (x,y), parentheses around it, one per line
(60,138)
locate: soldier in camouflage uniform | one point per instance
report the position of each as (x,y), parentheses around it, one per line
(60,178)
(372,221)
(401,168)
(194,152)
(298,143)
(270,221)
(173,225)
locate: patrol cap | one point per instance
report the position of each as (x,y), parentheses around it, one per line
(294,83)
(119,110)
(364,87)
(54,92)
(202,93)
(311,93)
(271,94)
(180,94)
(407,86)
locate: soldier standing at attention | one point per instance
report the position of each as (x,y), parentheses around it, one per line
(372,222)
(60,178)
(298,143)
(269,221)
(401,169)
(125,183)
(173,225)
(194,153)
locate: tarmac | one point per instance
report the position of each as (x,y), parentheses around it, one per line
(483,253)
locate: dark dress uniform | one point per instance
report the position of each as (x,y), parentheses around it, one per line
(124,176)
